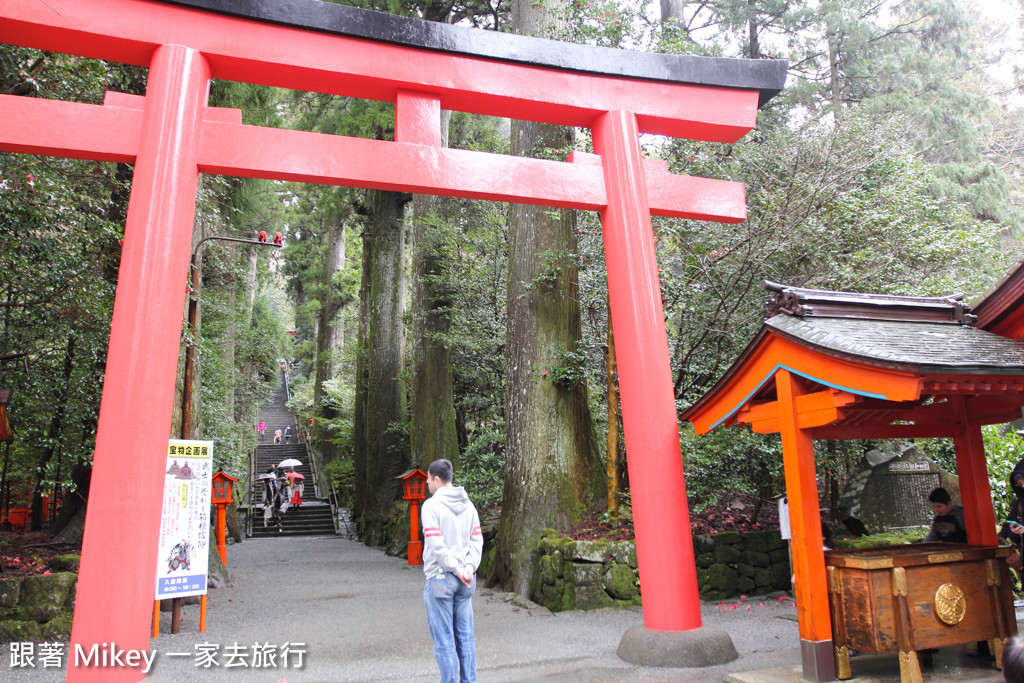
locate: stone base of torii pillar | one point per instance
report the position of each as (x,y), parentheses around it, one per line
(705,646)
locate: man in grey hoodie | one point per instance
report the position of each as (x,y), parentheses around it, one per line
(452,545)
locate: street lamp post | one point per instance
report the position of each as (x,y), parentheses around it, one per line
(193,314)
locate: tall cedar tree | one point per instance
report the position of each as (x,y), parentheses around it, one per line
(552,472)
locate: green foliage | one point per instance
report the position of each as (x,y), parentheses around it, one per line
(342,474)
(60,233)
(572,368)
(833,206)
(1004,448)
(482,464)
(725,461)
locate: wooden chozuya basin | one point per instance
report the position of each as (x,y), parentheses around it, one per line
(901,599)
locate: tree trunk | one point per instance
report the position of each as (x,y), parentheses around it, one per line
(432,432)
(385,449)
(330,332)
(754,43)
(228,340)
(671,9)
(359,443)
(252,260)
(53,435)
(833,68)
(612,463)
(552,473)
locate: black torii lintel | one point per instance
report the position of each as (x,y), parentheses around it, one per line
(768,76)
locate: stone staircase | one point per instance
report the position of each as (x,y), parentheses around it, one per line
(314,517)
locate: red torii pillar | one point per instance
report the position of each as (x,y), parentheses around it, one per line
(142,365)
(664,543)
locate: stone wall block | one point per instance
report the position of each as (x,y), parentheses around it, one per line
(624,552)
(762,578)
(547,576)
(65,563)
(582,574)
(587,551)
(722,578)
(592,597)
(10,591)
(728,553)
(758,559)
(43,597)
(620,581)
(781,576)
(764,541)
(703,544)
(727,538)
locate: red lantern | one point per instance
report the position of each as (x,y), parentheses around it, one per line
(413,483)
(222,488)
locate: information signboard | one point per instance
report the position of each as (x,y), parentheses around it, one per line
(184,550)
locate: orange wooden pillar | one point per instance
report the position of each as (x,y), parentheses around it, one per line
(807,545)
(142,362)
(972,470)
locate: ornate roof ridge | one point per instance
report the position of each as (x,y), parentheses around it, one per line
(803,302)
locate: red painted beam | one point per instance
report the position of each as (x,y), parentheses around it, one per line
(69,129)
(111,132)
(130,30)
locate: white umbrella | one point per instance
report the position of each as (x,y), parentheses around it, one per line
(290,462)
(266,476)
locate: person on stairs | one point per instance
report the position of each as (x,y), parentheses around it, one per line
(288,434)
(276,511)
(277,436)
(298,486)
(270,484)
(286,493)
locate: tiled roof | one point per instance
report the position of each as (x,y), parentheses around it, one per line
(929,346)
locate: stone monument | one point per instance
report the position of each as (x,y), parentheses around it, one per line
(890,489)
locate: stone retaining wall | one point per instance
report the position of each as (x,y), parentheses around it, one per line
(39,607)
(594,574)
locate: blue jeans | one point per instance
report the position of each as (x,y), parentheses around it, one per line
(449,604)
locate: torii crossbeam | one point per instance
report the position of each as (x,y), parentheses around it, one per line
(172,135)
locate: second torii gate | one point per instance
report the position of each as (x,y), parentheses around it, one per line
(172,136)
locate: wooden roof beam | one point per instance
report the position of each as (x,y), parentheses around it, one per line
(903,431)
(812,410)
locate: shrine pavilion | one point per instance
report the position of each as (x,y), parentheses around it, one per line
(841,365)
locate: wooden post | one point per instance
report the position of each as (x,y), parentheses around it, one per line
(807,544)
(975,491)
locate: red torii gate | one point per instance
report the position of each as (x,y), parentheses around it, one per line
(172,136)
